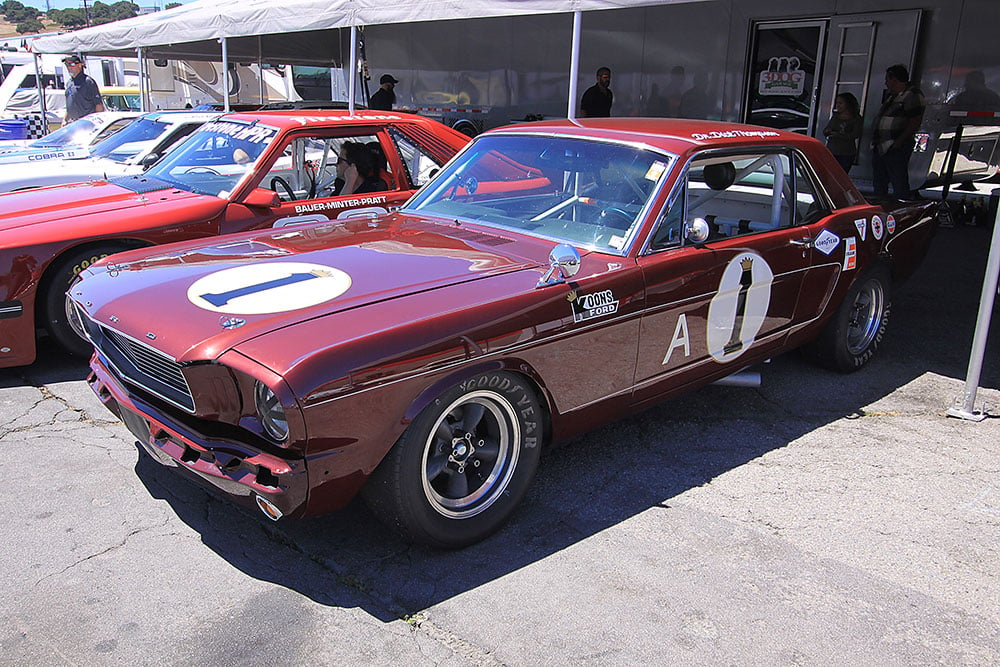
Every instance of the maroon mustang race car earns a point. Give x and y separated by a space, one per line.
239 172
552 277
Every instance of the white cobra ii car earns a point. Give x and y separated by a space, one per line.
127 152
72 140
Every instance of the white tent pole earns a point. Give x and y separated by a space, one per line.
41 92
574 67
225 74
143 83
352 80
965 406
260 72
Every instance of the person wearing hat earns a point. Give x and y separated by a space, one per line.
385 96
82 94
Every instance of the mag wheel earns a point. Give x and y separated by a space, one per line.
460 469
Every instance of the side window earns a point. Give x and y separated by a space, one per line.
808 206
741 194
419 164
671 225
314 167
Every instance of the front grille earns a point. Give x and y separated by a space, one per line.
141 365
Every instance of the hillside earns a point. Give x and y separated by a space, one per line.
8 30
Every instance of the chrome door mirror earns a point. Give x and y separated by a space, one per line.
564 262
696 231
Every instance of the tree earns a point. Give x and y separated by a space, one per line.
31 26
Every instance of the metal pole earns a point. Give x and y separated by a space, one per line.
260 72
41 92
964 407
574 67
225 74
352 85
143 83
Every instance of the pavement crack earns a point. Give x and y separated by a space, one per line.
104 551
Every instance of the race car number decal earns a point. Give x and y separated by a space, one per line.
738 309
268 288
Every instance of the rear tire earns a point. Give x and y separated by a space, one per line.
461 468
57 313
855 333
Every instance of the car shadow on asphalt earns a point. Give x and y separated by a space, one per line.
608 476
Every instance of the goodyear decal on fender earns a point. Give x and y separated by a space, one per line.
826 242
890 224
877 227
850 254
738 309
256 289
588 306
862 226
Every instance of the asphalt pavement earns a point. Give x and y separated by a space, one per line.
818 519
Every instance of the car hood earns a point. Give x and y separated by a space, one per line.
58 171
210 298
27 211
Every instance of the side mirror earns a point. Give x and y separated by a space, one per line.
149 160
697 231
564 262
262 198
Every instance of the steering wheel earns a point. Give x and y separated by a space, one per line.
278 180
608 214
202 170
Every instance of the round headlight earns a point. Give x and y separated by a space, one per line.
270 412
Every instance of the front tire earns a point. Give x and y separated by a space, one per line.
855 333
461 468
57 311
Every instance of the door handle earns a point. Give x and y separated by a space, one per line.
804 243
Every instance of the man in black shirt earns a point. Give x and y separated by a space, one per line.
597 99
82 94
385 96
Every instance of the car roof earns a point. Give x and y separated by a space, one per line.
288 119
183 116
670 134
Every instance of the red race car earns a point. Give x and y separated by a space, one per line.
242 171
553 277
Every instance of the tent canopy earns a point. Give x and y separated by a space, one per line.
287 32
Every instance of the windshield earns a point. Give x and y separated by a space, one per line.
578 191
77 133
135 138
214 159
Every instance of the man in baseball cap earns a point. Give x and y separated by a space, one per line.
82 94
385 96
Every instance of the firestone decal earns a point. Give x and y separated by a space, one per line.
862 226
826 242
260 288
589 306
327 205
877 227
738 309
850 253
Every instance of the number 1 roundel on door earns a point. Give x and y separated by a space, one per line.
738 309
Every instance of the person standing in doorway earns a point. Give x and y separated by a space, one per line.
82 94
385 96
896 124
597 99
844 130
